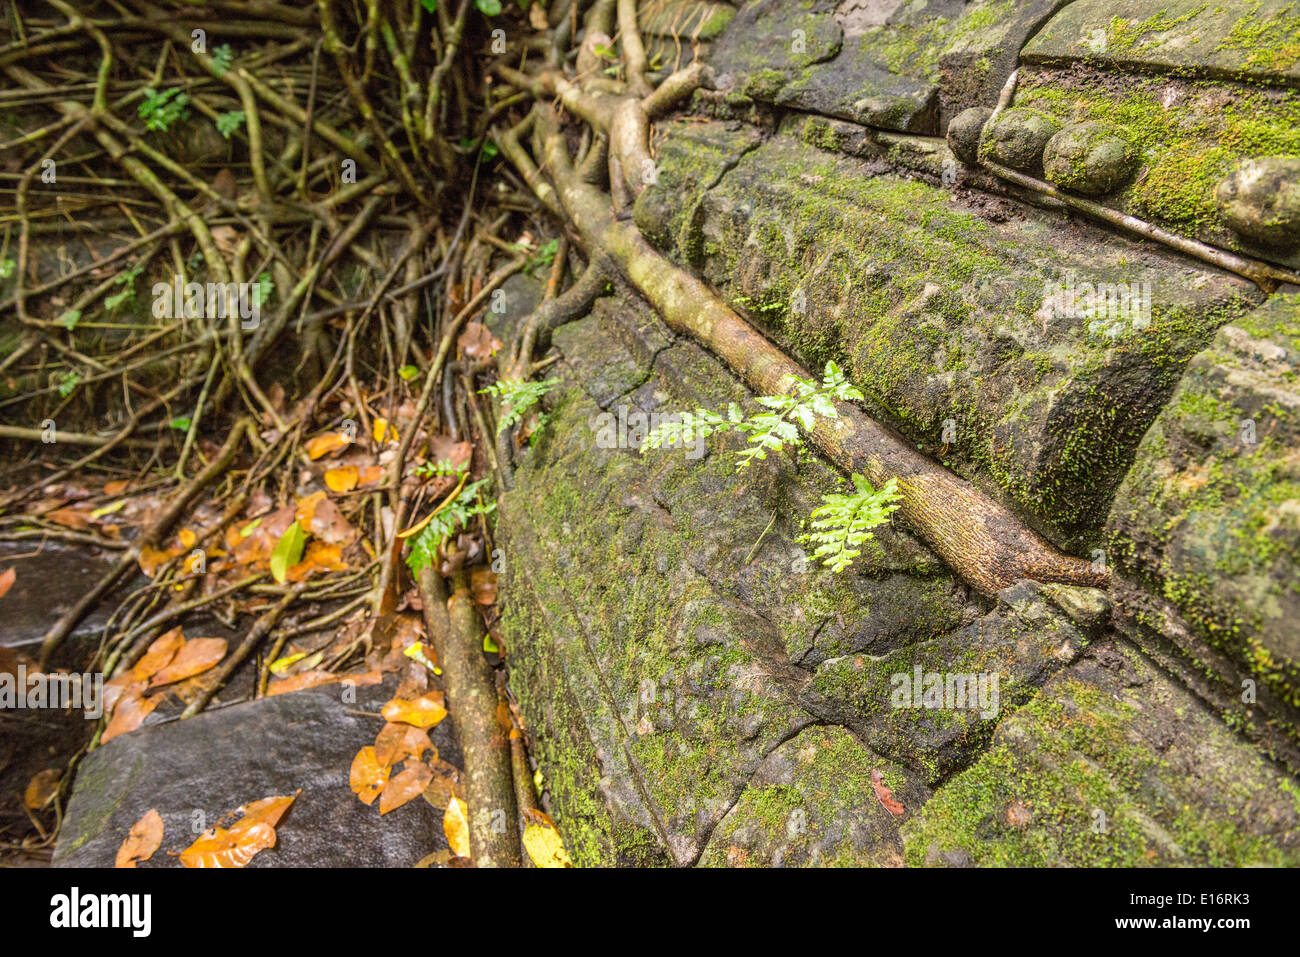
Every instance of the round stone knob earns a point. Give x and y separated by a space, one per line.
1017 138
964 133
1260 199
1089 158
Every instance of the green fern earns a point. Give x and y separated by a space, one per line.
518 395
228 123
845 522
162 110
765 432
425 543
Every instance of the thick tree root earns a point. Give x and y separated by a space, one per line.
457 634
978 538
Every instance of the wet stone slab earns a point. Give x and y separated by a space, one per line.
219 760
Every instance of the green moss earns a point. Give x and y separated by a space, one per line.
1189 144
1270 44
1078 758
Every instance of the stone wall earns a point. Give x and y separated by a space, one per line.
698 692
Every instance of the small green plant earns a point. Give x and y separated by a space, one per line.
765 432
67 381
228 123
545 255
443 467
160 111
127 294
454 515
519 395
7 267
221 57
844 522
489 8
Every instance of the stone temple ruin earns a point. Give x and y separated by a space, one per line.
1051 241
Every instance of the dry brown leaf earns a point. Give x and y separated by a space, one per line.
130 712
368 776
455 824
145 838
483 585
371 474
423 712
326 522
116 487
232 848
342 479
444 785
69 517
885 795
195 657
403 787
307 679
396 742
477 341
159 655
41 789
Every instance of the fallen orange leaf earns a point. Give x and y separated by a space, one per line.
368 776
298 682
41 789
422 712
342 479
326 443
371 474
145 838
195 657
885 795
233 848
398 741
406 786
130 712
266 811
159 655
7 578
455 824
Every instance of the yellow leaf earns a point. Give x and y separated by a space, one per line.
233 848
368 776
42 788
342 479
423 654
384 432
543 842
145 837
326 443
108 509
188 538
455 824
282 664
422 712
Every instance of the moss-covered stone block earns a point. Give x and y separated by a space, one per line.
1112 765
